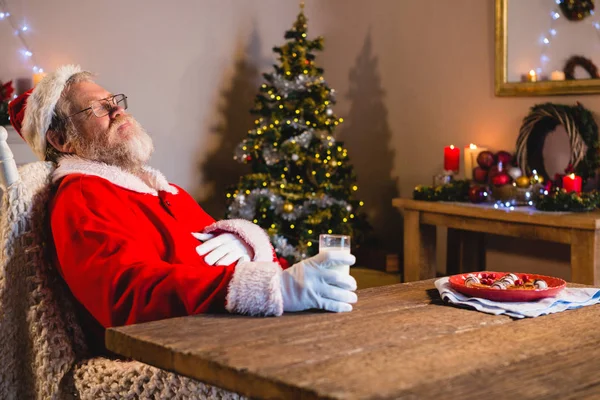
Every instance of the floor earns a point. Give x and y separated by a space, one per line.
366 278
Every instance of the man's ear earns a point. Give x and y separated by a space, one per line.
58 140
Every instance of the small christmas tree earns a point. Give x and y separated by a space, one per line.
302 182
6 94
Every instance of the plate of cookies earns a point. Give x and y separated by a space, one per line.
507 286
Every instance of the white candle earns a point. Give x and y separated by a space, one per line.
468 160
532 76
557 76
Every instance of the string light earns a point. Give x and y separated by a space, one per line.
546 39
5 15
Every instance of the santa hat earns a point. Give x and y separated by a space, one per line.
31 113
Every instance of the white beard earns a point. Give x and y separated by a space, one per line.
130 153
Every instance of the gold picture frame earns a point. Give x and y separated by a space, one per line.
540 88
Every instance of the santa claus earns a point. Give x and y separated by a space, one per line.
133 247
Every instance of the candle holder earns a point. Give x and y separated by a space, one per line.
443 179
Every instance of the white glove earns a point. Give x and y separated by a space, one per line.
309 284
223 249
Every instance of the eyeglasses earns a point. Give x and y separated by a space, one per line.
103 107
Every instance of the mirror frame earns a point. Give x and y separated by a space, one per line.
542 88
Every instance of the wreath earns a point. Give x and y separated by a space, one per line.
583 62
576 10
581 129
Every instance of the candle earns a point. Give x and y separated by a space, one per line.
37 77
532 76
557 76
468 160
572 183
451 158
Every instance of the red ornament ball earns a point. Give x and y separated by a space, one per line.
501 179
485 159
480 175
248 158
478 194
504 157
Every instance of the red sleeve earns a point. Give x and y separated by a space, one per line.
112 273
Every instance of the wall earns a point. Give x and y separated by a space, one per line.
411 78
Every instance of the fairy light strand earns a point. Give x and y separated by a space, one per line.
6 15
546 38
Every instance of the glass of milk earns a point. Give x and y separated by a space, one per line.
335 243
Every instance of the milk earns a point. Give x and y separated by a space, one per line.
340 268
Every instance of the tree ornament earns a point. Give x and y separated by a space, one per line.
523 182
515 172
503 157
478 194
536 178
501 179
288 207
480 175
485 159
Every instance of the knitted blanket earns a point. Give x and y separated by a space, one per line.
43 354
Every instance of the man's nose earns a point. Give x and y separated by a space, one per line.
116 111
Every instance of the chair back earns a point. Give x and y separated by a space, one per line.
38 337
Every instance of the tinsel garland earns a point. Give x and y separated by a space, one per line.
283 248
560 200
244 205
453 191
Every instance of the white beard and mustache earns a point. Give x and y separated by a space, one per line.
130 152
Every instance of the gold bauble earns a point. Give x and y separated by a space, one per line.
536 179
523 182
288 207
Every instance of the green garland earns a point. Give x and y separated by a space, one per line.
581 129
453 191
560 200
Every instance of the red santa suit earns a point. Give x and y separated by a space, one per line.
124 246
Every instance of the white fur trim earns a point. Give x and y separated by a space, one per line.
252 234
255 289
149 181
40 106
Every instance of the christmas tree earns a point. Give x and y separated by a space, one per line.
302 183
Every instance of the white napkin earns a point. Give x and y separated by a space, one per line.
567 299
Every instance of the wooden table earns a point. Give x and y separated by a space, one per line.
399 342
467 223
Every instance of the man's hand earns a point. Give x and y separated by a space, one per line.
309 284
224 249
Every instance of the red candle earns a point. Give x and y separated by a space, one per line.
572 183
451 158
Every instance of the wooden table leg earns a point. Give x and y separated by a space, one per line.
585 263
453 251
419 248
473 251
466 251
